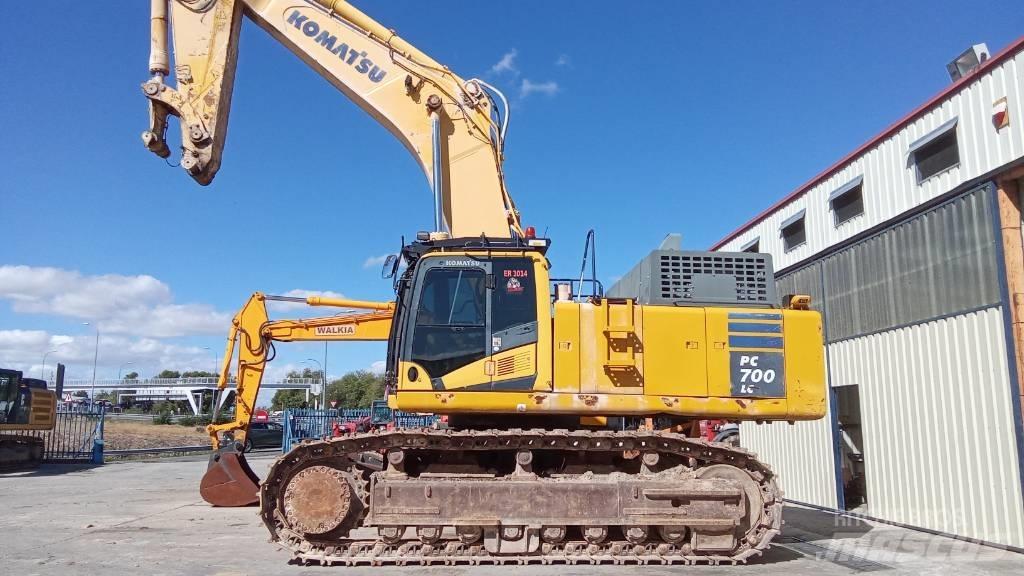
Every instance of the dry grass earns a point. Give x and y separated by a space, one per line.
125 434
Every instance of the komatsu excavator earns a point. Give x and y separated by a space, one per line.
568 414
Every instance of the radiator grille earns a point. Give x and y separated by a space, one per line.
678 274
694 278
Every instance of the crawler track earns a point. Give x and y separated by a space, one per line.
350 454
20 452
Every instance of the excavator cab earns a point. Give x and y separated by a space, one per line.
10 381
470 318
25 401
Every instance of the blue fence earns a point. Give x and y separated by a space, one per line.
301 424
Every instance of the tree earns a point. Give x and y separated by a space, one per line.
169 374
285 399
81 394
198 374
306 374
131 376
356 389
106 395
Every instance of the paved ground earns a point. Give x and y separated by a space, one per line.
146 517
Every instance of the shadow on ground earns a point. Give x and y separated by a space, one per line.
50 470
811 525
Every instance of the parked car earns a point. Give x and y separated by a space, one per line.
264 435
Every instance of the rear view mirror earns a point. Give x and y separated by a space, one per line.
390 267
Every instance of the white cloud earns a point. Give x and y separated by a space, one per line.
507 64
378 367
563 60
138 305
24 350
375 261
549 88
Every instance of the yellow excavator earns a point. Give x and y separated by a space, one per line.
570 411
25 406
229 481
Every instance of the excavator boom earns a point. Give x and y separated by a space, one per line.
452 126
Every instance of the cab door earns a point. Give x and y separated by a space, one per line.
450 335
513 324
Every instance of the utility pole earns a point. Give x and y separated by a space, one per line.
322 379
95 358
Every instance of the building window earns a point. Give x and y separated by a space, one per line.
752 246
847 202
794 233
935 152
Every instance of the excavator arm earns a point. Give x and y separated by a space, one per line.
453 127
229 481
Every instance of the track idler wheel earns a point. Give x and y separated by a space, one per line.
752 492
320 500
229 481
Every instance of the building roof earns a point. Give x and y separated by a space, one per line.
1003 55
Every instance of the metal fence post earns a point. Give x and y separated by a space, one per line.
97 441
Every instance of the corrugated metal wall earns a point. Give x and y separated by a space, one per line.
938 263
942 262
913 318
890 185
939 449
801 454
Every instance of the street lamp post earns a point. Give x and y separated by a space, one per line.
214 406
323 392
117 398
42 371
121 367
216 361
95 358
323 380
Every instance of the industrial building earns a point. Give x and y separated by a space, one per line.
910 247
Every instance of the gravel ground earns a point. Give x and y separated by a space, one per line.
146 517
122 435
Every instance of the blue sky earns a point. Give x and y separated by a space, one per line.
636 119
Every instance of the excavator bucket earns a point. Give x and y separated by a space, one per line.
229 481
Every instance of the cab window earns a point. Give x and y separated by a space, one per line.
451 320
8 395
452 298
